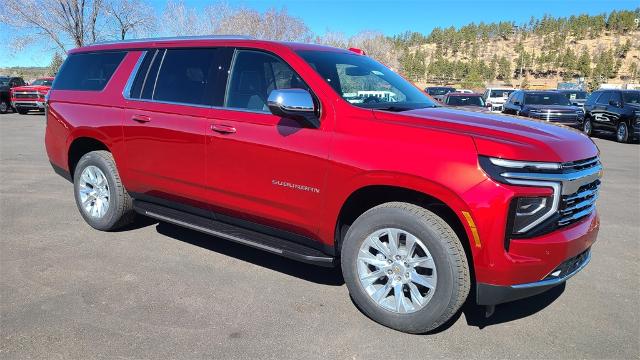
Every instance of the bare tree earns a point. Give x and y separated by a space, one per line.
378 46
61 22
135 17
179 20
332 38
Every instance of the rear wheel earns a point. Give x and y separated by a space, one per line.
622 133
405 267
100 196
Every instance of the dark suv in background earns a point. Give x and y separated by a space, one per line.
550 106
576 97
438 92
614 110
6 84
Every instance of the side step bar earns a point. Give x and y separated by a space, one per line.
234 233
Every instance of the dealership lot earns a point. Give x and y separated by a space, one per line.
159 291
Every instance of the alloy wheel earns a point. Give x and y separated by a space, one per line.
396 270
94 192
621 134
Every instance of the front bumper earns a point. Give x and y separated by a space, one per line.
31 105
487 294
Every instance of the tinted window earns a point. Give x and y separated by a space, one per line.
500 93
189 76
89 71
364 82
142 75
604 98
42 82
550 98
465 101
592 98
615 97
254 75
631 97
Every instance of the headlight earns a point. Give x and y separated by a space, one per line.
525 213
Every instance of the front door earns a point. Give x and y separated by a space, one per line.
261 167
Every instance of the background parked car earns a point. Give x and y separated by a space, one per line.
438 92
465 91
464 100
495 98
613 110
30 97
576 97
550 106
6 83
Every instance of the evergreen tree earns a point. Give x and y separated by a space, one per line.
56 62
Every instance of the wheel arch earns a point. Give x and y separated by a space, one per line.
368 196
79 147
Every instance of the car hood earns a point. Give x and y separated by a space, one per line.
31 88
560 108
497 100
504 136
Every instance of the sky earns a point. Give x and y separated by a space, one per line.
388 17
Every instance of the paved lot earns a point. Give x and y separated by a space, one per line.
159 291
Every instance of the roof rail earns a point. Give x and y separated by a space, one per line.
173 38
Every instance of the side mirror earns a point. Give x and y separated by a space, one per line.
295 104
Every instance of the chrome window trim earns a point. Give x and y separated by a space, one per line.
554 203
126 92
153 92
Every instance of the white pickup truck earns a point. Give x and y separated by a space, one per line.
495 98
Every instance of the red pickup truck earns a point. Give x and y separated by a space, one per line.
30 97
324 155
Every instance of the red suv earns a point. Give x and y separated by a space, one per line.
325 156
30 97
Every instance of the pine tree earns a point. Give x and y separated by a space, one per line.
583 66
56 62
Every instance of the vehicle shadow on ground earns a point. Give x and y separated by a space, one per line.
475 314
312 273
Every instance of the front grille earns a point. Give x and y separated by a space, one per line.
580 164
578 205
26 95
555 116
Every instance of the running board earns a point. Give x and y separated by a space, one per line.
234 233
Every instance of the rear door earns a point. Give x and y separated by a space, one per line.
261 167
614 109
166 124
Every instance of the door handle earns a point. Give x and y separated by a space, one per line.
141 118
223 129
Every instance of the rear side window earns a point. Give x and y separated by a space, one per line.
88 72
187 76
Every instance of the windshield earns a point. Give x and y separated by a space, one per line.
45 82
439 91
545 99
364 82
465 101
631 97
500 93
572 95
4 83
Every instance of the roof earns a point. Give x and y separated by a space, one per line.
198 41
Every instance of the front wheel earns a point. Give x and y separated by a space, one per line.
622 133
405 267
4 107
100 196
21 111
587 127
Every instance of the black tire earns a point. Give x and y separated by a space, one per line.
453 276
587 127
120 211
4 107
622 133
22 111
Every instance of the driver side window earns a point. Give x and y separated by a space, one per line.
254 74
